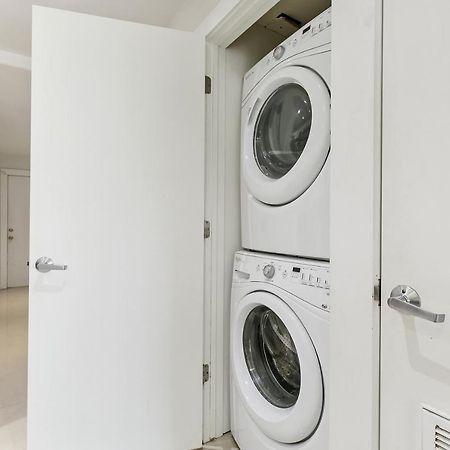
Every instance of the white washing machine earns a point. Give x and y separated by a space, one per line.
285 144
279 352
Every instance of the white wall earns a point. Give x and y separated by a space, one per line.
14 161
15 92
240 57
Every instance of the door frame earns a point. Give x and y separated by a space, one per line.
4 174
355 322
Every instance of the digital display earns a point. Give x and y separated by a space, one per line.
296 269
306 29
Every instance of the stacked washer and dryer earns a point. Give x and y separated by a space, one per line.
280 297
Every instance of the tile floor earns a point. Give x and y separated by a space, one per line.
226 442
13 368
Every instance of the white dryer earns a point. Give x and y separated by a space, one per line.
285 144
279 353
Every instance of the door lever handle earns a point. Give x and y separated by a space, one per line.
406 300
45 265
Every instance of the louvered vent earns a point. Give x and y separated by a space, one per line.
435 431
441 438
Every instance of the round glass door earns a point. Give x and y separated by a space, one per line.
275 367
282 130
271 357
286 137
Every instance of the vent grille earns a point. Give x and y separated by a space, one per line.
435 430
441 438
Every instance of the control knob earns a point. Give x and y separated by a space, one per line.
269 271
279 52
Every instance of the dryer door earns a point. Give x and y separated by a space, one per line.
286 135
276 368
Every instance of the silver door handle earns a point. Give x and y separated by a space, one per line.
44 265
406 300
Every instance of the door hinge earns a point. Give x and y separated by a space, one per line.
377 291
205 373
207 229
208 85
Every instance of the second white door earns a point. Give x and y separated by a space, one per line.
18 230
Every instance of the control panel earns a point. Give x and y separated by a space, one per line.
282 271
297 43
304 278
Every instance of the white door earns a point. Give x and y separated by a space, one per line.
115 340
18 232
416 226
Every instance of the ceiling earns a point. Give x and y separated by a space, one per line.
15 16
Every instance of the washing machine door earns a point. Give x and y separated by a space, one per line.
286 135
276 368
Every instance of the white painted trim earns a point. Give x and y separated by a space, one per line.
355 223
15 60
219 256
231 18
225 24
16 172
214 18
211 212
4 174
215 211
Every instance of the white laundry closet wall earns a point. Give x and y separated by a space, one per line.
15 85
240 57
